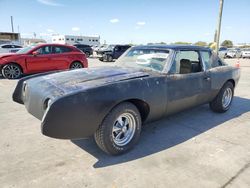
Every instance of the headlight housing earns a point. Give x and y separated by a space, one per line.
47 103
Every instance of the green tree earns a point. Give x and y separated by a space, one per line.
200 43
227 43
182 42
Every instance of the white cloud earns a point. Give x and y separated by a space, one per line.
141 23
115 20
75 29
207 34
50 30
49 2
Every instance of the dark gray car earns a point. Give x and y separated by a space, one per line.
111 103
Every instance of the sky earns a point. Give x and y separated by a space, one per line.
129 21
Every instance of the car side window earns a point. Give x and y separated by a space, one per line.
118 48
57 50
207 58
185 62
6 46
65 49
60 49
44 50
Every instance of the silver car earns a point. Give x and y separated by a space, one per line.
9 48
233 54
245 53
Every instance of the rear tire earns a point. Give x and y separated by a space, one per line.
120 129
76 65
223 100
12 71
109 58
105 57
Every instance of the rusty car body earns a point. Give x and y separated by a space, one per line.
74 104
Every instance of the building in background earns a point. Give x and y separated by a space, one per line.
31 41
9 37
72 39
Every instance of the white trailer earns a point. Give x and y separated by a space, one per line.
72 39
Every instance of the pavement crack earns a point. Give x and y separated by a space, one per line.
236 175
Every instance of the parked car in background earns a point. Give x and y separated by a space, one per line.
9 48
112 103
41 58
245 53
233 53
103 48
223 52
113 52
85 48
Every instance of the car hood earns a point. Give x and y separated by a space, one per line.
82 79
4 55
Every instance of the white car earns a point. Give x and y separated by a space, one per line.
223 52
233 53
9 48
245 53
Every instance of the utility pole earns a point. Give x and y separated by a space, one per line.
11 21
219 26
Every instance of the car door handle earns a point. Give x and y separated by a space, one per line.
207 78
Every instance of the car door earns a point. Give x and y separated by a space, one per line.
217 71
60 57
188 83
40 61
117 52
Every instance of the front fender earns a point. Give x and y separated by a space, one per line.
79 115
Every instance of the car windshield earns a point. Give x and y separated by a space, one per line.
151 59
110 47
25 50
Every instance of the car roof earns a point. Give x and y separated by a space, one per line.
174 47
52 44
81 45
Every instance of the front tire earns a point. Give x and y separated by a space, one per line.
120 129
12 71
223 100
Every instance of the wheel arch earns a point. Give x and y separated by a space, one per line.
232 81
77 61
15 63
142 106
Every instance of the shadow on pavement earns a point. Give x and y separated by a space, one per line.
168 132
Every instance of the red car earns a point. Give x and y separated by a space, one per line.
41 58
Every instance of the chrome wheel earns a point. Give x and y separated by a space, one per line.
227 97
76 65
124 129
11 71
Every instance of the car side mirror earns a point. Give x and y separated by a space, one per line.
35 53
